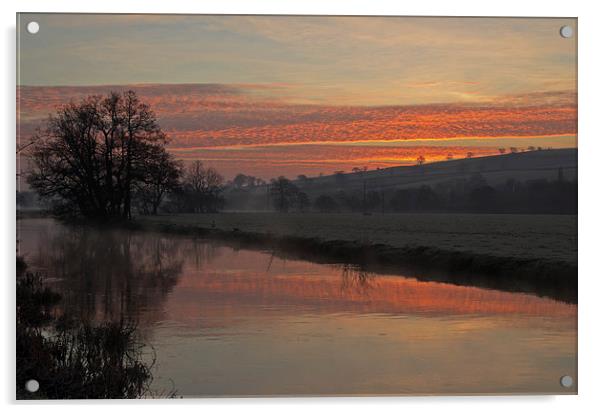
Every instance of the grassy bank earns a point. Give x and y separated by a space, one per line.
535 254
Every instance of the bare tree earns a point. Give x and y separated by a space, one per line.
302 201
90 155
202 188
420 160
162 176
140 127
283 193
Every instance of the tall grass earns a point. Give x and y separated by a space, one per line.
72 359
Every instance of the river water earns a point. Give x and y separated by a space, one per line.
226 322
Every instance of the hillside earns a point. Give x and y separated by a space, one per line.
522 166
495 170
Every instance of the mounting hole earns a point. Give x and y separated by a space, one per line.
566 381
33 27
32 386
566 31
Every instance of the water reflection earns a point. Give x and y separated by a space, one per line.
104 274
353 277
239 322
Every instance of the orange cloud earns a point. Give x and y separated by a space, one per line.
392 123
210 118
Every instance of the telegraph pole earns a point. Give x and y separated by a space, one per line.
364 203
267 197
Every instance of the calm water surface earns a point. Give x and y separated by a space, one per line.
225 322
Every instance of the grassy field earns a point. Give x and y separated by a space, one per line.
551 238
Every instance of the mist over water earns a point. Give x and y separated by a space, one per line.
223 321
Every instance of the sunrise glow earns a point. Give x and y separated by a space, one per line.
270 95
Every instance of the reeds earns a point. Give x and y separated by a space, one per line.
72 359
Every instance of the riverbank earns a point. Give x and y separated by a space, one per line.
533 254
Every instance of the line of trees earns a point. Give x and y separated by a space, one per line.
461 195
241 181
105 156
286 196
200 191
472 194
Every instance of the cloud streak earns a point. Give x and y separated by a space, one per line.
261 127
218 115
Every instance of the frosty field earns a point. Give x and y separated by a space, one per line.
541 237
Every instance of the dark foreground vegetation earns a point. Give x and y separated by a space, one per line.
73 359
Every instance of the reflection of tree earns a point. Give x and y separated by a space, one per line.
112 274
198 252
355 278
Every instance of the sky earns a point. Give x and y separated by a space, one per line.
285 95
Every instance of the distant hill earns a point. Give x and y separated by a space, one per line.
495 170
523 166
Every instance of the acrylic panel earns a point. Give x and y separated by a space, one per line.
229 205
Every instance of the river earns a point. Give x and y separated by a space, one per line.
221 321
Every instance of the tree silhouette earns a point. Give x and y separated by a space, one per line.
92 155
283 192
201 189
162 176
302 201
240 181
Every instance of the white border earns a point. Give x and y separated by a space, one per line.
590 196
